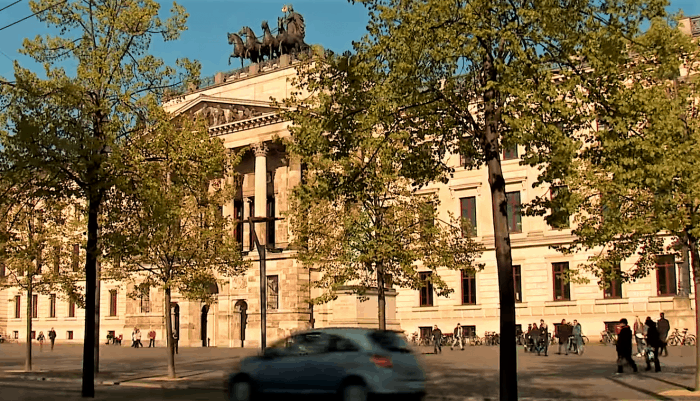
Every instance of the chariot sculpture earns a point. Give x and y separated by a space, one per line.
291 32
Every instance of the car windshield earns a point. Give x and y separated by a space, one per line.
389 341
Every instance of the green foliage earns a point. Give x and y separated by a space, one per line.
36 247
166 227
635 182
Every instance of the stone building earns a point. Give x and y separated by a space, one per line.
239 110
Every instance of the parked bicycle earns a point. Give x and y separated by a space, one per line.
491 338
678 338
474 340
608 337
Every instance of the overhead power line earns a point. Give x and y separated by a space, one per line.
36 13
10 5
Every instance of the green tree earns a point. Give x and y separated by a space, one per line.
634 184
36 241
383 233
63 127
167 229
474 78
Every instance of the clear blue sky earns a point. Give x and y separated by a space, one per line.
334 24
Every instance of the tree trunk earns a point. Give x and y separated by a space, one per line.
97 318
28 358
695 260
507 358
89 350
684 273
381 301
169 335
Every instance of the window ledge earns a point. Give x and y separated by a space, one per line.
71 318
663 298
560 303
111 317
468 307
426 308
49 319
611 301
519 305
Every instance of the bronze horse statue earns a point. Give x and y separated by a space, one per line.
288 42
253 47
270 44
238 48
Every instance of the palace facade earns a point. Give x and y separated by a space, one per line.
238 108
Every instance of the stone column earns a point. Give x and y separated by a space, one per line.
293 179
260 150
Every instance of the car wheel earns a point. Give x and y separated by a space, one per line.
354 392
241 390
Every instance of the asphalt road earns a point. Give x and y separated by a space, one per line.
452 375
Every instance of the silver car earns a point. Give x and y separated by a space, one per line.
352 364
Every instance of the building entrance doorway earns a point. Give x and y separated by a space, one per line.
205 313
241 309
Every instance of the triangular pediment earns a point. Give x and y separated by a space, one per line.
219 111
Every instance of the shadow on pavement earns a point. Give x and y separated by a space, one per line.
689 388
639 389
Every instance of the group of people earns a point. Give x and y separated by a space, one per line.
651 340
41 338
537 338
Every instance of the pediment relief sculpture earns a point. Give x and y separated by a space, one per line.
219 114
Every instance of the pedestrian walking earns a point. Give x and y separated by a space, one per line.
152 338
563 332
624 347
138 339
543 339
654 342
41 339
664 328
578 337
52 337
639 336
437 339
457 339
133 338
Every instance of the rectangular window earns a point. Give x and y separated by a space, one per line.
562 291
468 288
52 305
71 308
145 299
270 226
666 275
35 306
69 334
15 335
427 218
57 259
510 153
468 212
426 291
112 302
39 260
468 331
76 257
33 335
273 292
517 283
613 288
18 306
238 222
559 219
251 211
514 212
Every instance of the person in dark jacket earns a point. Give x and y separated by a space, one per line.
563 333
624 347
664 327
653 344
437 339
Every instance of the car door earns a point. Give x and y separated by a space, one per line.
339 360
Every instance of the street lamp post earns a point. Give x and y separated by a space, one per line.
262 252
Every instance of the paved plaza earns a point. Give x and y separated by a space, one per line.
472 374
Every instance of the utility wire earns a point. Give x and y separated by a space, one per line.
36 13
10 5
